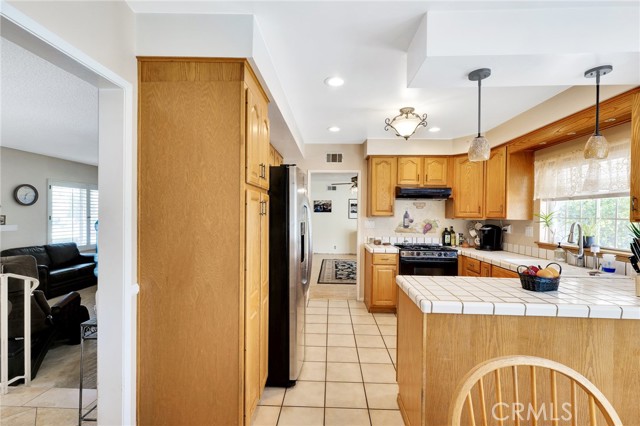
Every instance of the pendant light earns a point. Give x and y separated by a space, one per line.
406 123
479 149
597 146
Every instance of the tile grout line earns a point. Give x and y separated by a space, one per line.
364 388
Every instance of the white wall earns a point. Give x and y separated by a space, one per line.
18 167
333 232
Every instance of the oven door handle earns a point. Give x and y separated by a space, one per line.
429 261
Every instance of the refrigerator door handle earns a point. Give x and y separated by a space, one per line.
309 240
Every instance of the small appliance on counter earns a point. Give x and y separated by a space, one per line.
490 238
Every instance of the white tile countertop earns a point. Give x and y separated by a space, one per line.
578 297
381 248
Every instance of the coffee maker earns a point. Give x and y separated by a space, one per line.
490 238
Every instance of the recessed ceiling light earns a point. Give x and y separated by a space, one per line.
334 129
434 129
609 120
334 81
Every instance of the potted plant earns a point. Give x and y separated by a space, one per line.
589 231
546 219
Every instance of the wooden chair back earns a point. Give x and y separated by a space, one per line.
527 390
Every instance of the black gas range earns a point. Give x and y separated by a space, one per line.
428 259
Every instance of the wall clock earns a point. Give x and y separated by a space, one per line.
25 194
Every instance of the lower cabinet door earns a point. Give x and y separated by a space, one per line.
252 302
384 293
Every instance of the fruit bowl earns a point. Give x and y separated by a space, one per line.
538 283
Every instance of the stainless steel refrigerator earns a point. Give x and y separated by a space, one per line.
290 253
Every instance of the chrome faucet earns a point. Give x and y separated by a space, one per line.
580 256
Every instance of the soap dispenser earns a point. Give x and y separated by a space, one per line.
559 255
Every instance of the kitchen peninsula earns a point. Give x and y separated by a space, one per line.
448 325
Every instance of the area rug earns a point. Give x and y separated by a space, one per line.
337 271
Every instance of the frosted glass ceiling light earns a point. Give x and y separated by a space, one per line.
597 146
406 123
479 149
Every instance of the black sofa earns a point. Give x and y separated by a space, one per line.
61 267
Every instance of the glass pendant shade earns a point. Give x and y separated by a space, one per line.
406 126
596 148
479 150
406 123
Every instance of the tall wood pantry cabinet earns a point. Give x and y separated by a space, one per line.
635 158
202 241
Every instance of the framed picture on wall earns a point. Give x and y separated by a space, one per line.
322 206
353 208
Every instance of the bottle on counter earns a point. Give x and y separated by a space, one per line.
559 254
446 238
454 239
406 219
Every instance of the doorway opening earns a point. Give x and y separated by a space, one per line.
335 199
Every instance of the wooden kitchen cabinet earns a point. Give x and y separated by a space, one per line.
409 171
382 185
204 122
380 289
498 272
496 184
468 188
435 171
635 159
470 267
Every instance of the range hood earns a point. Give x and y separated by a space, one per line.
428 193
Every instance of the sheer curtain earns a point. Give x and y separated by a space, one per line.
569 175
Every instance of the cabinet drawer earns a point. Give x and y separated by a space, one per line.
385 259
472 265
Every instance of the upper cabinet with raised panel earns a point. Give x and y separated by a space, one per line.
468 188
409 171
496 184
382 184
435 171
257 143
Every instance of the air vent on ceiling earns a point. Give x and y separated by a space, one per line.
332 188
334 158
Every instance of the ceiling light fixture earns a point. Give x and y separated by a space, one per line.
406 123
434 129
597 146
334 129
333 81
479 149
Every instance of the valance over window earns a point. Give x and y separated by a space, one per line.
569 175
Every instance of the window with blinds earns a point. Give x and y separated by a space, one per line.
73 213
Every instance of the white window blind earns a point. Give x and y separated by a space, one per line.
73 211
569 175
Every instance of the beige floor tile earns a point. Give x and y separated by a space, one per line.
356 304
345 395
338 304
340 329
374 356
57 417
344 340
300 416
382 396
316 328
365 341
378 373
393 353
265 416
338 311
386 320
305 394
316 319
338 354
339 319
363 319
368 329
314 310
343 372
63 398
390 341
17 416
20 395
272 396
388 330
313 371
346 417
315 339
315 353
386 418
359 311
318 303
